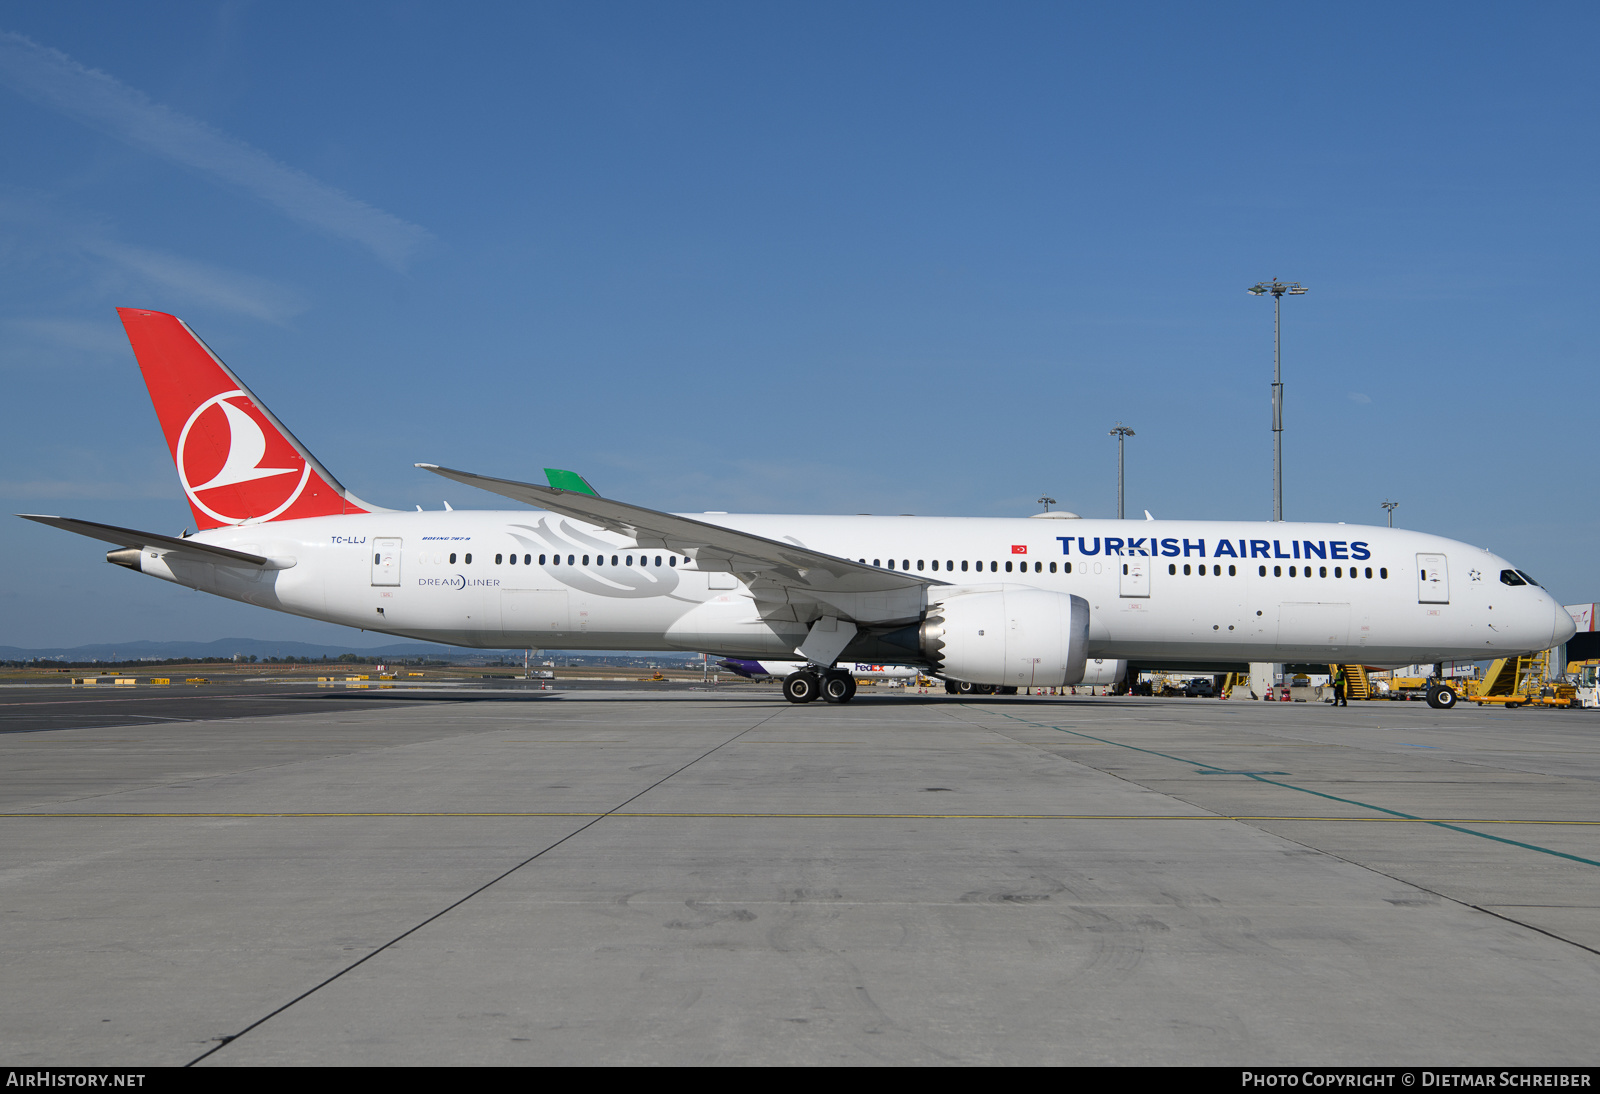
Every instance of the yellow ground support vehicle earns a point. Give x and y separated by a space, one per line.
1522 681
1587 675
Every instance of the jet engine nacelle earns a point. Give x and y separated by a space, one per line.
1107 671
1008 635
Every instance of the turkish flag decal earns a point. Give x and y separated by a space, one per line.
1019 548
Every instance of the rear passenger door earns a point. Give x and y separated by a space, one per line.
386 562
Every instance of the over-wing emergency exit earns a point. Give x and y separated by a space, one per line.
987 601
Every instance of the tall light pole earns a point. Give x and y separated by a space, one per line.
1121 433
1047 503
1277 289
1391 506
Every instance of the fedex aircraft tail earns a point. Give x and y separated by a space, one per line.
236 462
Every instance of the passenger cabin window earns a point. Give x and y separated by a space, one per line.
1008 567
452 558
994 567
963 565
497 560
1052 567
1232 572
1172 567
1383 573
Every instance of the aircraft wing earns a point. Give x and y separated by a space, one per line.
787 580
128 537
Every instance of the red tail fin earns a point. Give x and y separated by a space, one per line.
236 462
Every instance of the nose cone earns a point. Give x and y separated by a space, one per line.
1565 627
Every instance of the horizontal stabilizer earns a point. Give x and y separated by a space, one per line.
128 537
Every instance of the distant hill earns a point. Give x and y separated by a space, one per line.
261 649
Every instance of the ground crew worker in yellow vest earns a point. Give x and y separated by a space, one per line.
1339 685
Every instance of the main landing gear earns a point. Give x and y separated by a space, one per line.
1442 697
830 685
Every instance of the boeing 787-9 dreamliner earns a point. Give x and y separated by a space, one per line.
987 601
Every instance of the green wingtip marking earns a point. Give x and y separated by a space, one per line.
569 480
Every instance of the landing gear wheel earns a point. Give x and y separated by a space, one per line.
1006 689
838 689
952 687
1442 697
801 687
969 689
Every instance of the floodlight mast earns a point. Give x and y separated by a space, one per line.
1121 433
1277 289
1391 506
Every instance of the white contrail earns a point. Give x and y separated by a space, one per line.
96 99
202 281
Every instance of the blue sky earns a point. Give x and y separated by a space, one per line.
904 258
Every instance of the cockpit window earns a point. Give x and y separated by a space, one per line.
1526 576
1511 577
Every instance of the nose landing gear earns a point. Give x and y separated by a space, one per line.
1441 697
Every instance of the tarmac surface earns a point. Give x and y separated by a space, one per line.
682 876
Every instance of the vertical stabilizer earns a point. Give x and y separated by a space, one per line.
236 462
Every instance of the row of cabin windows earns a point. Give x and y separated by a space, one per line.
1322 571
1277 571
949 565
574 560
905 564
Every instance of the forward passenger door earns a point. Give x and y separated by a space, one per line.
1433 579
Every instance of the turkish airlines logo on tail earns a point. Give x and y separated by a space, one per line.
233 431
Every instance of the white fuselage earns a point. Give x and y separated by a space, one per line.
1159 591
